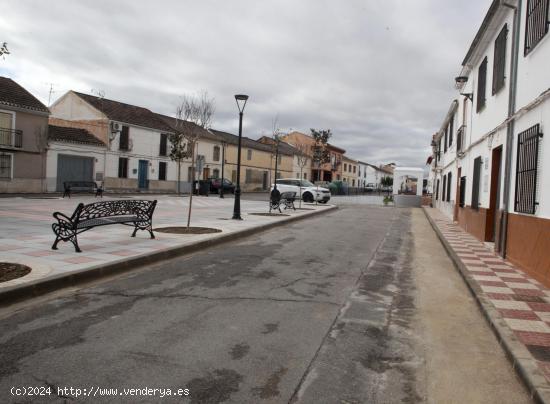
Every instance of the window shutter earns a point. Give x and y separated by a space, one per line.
499 62
475 183
481 85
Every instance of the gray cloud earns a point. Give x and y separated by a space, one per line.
378 73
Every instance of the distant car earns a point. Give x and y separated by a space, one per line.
215 185
370 187
310 191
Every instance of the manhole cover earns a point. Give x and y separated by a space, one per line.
9 271
268 214
187 230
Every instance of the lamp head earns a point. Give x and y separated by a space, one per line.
241 101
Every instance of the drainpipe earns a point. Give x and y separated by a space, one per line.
510 127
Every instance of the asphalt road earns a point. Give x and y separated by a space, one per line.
319 311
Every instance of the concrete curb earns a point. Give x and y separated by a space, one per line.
522 361
39 287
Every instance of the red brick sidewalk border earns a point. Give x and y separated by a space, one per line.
516 306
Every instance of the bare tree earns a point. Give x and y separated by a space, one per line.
302 158
193 116
320 153
4 50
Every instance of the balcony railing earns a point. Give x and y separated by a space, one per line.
11 137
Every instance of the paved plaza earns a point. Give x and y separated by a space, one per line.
27 236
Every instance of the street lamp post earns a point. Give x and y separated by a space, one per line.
241 102
223 165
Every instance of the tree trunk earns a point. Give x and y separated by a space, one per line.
300 203
192 187
179 176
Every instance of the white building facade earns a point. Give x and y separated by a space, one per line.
491 164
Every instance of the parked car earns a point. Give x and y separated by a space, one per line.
215 185
370 187
310 192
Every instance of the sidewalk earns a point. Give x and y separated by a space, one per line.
26 235
516 305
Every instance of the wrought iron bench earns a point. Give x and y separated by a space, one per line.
132 212
82 186
277 199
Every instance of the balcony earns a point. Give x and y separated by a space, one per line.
11 138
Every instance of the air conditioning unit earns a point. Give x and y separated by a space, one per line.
115 127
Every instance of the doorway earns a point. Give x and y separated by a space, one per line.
494 197
73 168
143 174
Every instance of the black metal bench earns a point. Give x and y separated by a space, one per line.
132 212
277 199
82 186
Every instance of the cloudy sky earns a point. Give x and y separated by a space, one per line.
378 73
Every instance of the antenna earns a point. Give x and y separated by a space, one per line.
52 91
99 94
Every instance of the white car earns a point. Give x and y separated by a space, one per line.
310 192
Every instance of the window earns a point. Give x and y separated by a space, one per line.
190 174
481 85
462 191
248 176
124 140
536 26
444 188
216 173
6 166
526 170
451 130
449 187
234 176
162 171
216 156
345 167
163 144
279 159
437 190
446 140
122 167
354 168
305 176
499 62
249 154
475 183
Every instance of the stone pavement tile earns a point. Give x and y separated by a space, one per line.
41 253
528 325
490 278
496 289
533 338
497 283
538 307
510 304
79 260
499 296
519 314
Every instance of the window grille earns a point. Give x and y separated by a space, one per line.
526 170
462 191
124 138
536 26
449 187
162 171
5 166
122 167
163 144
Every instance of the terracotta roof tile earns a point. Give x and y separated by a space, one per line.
13 95
126 113
72 135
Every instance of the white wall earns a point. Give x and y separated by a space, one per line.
72 107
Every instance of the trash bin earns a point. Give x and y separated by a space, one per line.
204 187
